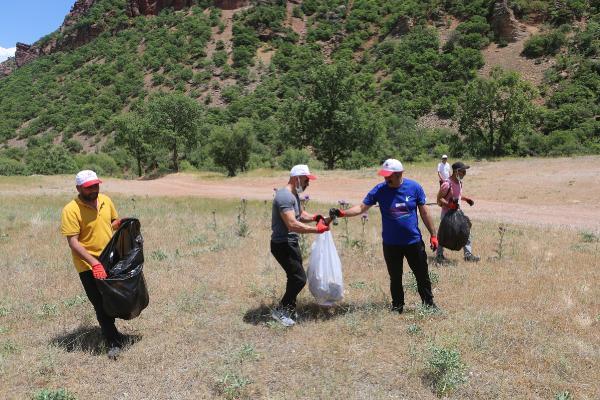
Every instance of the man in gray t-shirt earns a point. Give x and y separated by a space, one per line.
284 201
288 221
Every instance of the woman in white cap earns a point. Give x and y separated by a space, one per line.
399 199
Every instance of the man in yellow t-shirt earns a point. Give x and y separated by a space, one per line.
88 222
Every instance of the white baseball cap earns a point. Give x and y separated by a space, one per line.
444 156
86 178
390 166
302 170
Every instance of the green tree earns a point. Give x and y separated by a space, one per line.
494 112
133 132
174 122
332 117
230 147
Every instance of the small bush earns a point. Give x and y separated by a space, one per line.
445 369
219 58
566 395
48 394
545 44
291 157
232 385
101 163
9 166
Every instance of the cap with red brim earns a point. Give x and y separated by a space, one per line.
302 170
91 183
86 178
389 167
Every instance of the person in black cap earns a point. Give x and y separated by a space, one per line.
449 197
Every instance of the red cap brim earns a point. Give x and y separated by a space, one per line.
91 183
312 177
383 172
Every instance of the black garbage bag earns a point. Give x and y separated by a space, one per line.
124 292
454 230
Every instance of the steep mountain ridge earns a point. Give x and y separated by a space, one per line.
255 60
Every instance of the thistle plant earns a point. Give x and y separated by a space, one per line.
243 229
344 205
501 231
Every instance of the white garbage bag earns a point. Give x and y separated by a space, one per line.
325 271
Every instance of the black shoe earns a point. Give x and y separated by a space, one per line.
471 258
398 309
441 260
114 352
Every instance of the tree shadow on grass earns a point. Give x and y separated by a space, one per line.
89 340
312 311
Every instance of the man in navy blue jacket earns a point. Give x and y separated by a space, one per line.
398 200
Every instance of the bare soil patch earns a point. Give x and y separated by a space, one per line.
561 191
509 58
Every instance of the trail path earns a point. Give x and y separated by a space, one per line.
546 192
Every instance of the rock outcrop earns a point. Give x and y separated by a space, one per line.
504 24
136 8
7 67
79 9
73 36
26 53
231 4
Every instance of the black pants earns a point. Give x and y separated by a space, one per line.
288 255
107 324
417 260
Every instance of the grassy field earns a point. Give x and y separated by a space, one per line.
522 324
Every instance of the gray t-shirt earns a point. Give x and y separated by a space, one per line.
284 201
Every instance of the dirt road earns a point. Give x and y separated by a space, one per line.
564 191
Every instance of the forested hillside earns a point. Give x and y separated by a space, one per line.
341 83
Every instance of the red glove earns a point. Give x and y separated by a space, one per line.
340 213
317 217
453 205
98 271
322 226
433 243
469 201
116 224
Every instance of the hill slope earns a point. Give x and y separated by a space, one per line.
264 66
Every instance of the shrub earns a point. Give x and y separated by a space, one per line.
445 369
101 163
291 157
219 58
545 44
48 394
563 143
8 166
50 160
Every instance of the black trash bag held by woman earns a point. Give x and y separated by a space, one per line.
454 230
124 292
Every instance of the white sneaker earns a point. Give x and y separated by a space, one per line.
283 316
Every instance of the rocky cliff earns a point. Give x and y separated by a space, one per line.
153 7
231 4
504 24
7 67
72 36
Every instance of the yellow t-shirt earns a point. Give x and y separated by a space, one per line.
92 225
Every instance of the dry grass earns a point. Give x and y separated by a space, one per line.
526 326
